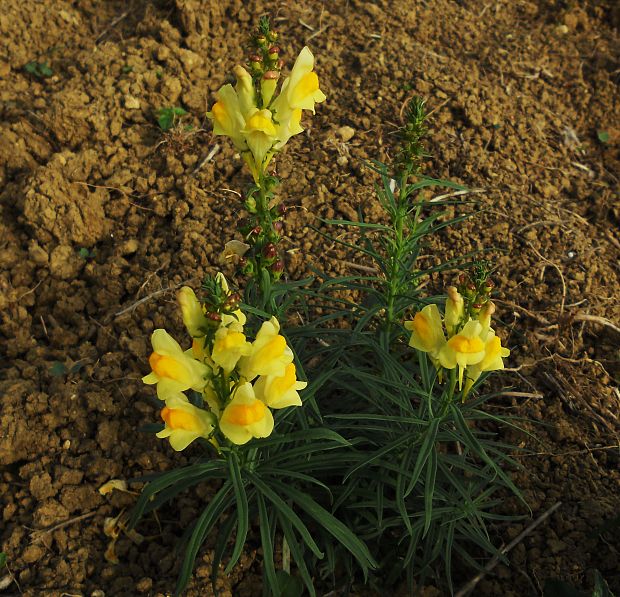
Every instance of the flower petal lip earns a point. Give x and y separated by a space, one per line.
173 369
245 416
280 392
184 422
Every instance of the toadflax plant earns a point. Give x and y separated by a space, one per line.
375 468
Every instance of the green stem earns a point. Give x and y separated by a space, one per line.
449 396
396 257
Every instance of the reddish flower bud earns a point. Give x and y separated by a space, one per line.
278 267
270 251
213 316
278 226
274 50
471 287
462 279
271 75
256 230
281 209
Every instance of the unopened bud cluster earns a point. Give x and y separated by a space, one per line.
262 232
476 292
412 133
264 63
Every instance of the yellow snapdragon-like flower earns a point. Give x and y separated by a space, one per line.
245 416
301 90
261 135
227 117
258 131
280 392
184 422
427 331
172 369
229 346
193 314
269 355
464 349
494 353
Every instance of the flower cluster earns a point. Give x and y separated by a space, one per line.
258 122
239 380
469 342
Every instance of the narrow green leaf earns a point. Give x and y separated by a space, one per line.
204 524
429 489
221 544
428 446
284 510
332 525
297 554
242 508
267 544
477 448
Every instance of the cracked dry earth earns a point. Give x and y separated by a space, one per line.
101 218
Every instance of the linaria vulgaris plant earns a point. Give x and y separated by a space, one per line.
355 448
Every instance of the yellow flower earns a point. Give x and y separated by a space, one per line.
301 89
494 352
173 370
270 354
455 307
236 316
466 348
233 249
184 422
280 392
427 331
245 417
229 346
227 117
193 315
289 124
261 135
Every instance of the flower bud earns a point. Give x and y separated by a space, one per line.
455 307
277 268
250 205
270 251
232 302
281 209
484 317
268 85
256 230
214 317
278 226
273 52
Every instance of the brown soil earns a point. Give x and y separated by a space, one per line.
518 90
